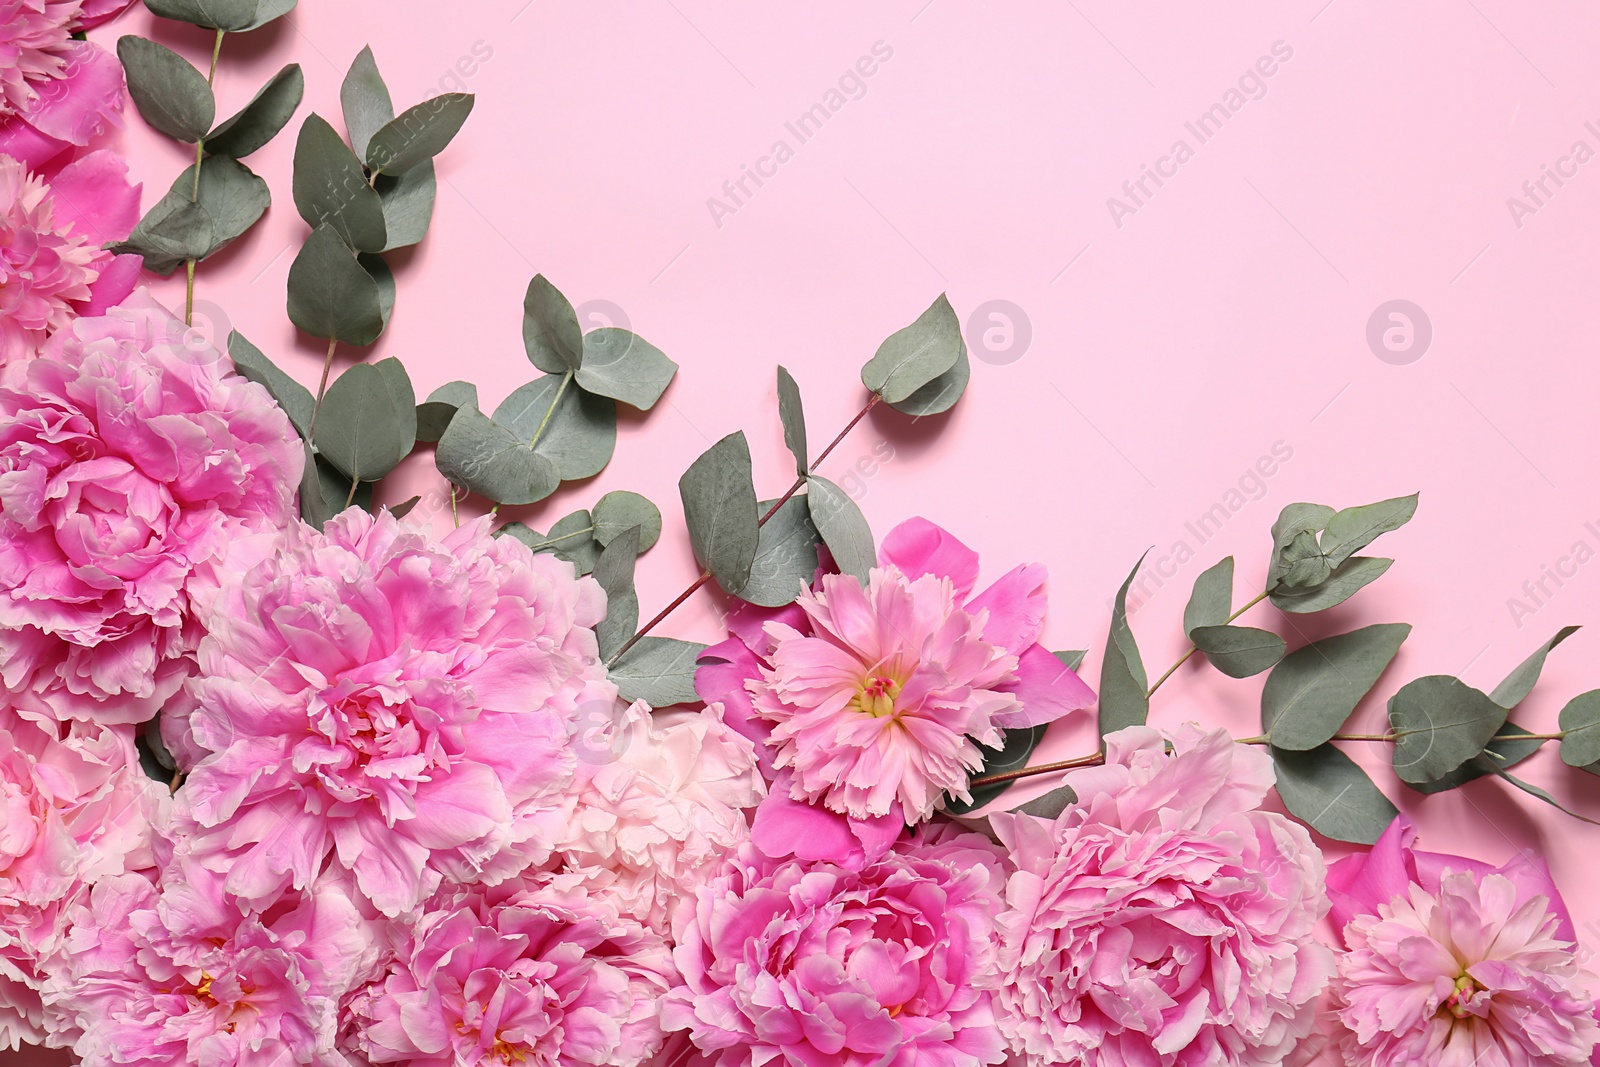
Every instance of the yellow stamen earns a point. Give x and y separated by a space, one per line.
876 696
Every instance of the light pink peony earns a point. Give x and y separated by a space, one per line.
1161 920
80 100
129 460
818 965
542 975
52 265
152 978
660 809
398 701
874 700
74 808
1450 963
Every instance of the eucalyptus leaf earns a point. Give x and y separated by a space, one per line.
368 420
614 573
575 430
404 508
173 231
435 413
295 399
418 133
336 489
914 356
719 507
259 121
364 100
376 266
407 204
331 295
1544 795
624 366
1012 755
234 197
1325 789
1124 700
793 415
843 527
550 330
786 555
659 671
618 512
1051 804
1316 688
1349 531
170 94
1212 600
1510 745
1239 651
1440 723
941 394
314 507
229 15
1343 583
1294 521
1580 721
330 188
477 452
269 10
1072 659
571 539
1520 682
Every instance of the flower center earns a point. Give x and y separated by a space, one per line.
876 695
1458 1005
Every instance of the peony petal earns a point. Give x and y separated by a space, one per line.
919 547
1047 689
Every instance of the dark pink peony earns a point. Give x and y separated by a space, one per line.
819 965
78 96
397 702
129 460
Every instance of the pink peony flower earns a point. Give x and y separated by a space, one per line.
893 965
128 462
78 102
541 975
660 810
874 699
1161 920
1450 963
397 701
99 12
183 976
34 38
74 808
52 266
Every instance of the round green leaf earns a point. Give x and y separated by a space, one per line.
573 429
786 555
1239 651
331 189
941 394
911 358
485 457
368 420
1580 721
1439 723
624 366
331 295
617 512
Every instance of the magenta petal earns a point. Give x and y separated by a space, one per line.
786 827
1358 884
93 196
1047 689
720 678
1016 605
98 12
919 547
27 145
748 622
82 104
118 277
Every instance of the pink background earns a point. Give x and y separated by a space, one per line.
1225 315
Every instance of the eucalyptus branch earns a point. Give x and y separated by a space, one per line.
322 390
194 193
1170 671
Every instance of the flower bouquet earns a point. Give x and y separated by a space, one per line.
288 776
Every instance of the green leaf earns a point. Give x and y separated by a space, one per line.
624 366
418 133
1212 600
1239 651
786 555
295 399
1510 745
571 539
1341 585
1544 795
1305 567
402 509
1012 755
1050 804
234 197
1440 723
267 11
229 15
1311 694
614 573
1580 721
1123 682
1519 683
843 528
914 356
793 415
331 295
477 452
368 422
1349 531
331 189
314 506
1325 789
1293 521
336 489
719 506
378 269
364 100
435 413
1072 659
576 431
175 230
941 394
550 330
407 204
259 121
659 671
617 512
170 94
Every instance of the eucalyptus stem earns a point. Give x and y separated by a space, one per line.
705 576
566 380
1192 649
322 390
355 483
194 192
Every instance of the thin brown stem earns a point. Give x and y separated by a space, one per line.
322 390
1044 768
705 576
800 482
1170 671
355 483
